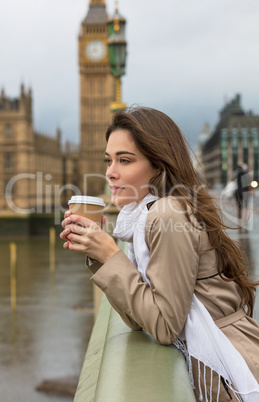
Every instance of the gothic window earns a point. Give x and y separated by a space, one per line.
9 191
8 131
75 167
255 137
9 161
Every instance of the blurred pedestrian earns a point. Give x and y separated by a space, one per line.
243 188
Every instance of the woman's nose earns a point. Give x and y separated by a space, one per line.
112 172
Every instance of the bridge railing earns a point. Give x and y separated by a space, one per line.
130 366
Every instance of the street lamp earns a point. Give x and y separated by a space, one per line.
117 54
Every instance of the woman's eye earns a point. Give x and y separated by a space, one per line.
122 160
107 161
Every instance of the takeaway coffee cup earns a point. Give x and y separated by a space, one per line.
89 207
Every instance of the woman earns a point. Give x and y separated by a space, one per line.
190 274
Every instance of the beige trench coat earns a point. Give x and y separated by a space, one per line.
181 263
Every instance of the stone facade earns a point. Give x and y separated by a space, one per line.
16 148
234 141
33 167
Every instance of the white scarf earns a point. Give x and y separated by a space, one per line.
205 341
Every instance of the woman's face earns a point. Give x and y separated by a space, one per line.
128 170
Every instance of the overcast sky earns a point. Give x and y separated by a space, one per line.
185 57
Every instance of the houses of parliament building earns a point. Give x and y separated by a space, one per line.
37 171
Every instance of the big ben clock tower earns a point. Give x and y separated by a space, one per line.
96 96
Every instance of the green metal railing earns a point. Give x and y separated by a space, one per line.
128 366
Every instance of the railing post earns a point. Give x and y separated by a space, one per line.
52 242
13 263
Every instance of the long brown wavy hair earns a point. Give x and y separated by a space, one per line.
162 143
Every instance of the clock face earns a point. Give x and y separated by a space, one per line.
95 50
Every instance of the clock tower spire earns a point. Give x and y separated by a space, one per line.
97 3
96 95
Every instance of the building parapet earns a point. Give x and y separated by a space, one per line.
70 148
23 104
46 144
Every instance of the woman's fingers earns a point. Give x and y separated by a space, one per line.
77 233
63 235
81 234
83 227
77 226
66 222
67 214
79 220
73 246
77 239
86 236
73 219
76 247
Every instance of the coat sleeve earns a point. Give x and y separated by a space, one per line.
172 270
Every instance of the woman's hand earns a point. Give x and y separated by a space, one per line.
84 235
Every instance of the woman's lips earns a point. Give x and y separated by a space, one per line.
115 190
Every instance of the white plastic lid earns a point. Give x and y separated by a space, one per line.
84 199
